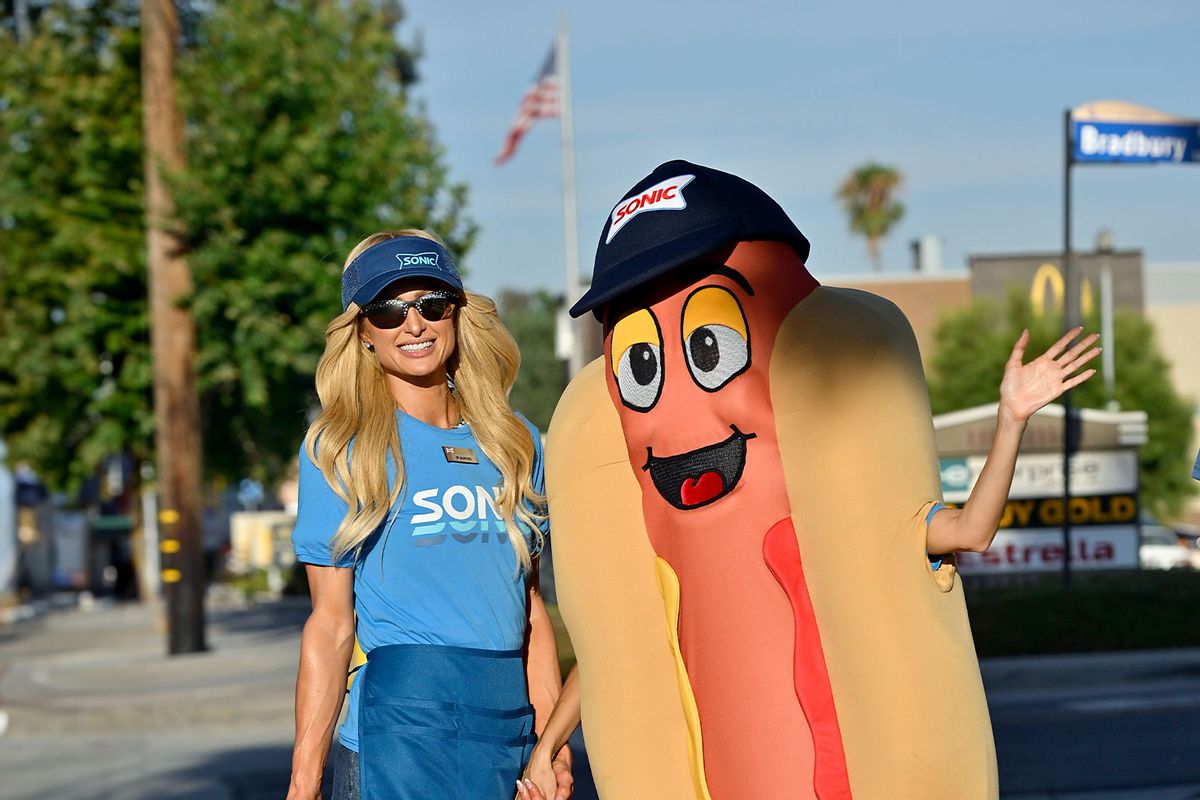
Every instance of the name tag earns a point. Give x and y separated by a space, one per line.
460 455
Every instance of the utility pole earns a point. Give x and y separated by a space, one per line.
172 340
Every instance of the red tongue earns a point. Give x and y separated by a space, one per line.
697 490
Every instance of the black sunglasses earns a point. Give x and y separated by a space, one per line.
391 313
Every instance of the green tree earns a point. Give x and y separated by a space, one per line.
531 317
868 198
973 343
301 139
302 142
74 356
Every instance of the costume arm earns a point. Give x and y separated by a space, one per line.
553 738
325 648
1024 389
974 526
545 683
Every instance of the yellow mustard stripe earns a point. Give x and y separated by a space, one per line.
668 585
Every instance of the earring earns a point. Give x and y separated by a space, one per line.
370 346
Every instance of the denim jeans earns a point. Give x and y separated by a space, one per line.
345 773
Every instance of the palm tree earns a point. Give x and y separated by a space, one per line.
867 196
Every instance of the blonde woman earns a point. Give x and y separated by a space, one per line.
420 518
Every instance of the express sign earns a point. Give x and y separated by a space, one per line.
1038 475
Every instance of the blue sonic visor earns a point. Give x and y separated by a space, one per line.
389 261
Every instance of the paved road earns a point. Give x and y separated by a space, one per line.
1123 725
91 708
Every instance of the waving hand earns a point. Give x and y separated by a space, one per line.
1027 387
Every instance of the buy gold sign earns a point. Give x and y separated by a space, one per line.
1109 509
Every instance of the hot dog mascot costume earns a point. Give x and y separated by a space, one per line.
740 490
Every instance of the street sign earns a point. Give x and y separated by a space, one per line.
1117 132
1109 132
1093 472
1136 143
1102 512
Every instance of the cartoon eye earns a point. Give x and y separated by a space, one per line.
639 375
715 353
716 339
636 359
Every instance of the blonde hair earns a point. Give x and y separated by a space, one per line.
357 424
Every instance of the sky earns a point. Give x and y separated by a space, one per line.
965 99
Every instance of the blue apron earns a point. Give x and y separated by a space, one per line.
443 723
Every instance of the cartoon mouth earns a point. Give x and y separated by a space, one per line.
697 478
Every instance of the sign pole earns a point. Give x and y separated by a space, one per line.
1070 317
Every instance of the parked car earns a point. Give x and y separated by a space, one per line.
1162 548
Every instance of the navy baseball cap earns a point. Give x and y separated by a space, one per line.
393 259
677 213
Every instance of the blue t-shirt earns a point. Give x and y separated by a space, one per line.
935 561
439 569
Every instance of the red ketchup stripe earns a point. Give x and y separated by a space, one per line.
782 554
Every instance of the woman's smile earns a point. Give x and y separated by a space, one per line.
417 349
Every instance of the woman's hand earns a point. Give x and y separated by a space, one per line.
540 773
1027 387
1024 389
547 779
528 790
564 780
296 793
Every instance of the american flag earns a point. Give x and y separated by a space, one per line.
541 101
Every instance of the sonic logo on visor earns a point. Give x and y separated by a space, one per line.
418 260
664 196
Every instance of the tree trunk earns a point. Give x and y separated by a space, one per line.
172 339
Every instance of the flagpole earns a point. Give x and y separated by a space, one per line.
570 239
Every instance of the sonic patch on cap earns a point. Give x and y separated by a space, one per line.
418 260
664 196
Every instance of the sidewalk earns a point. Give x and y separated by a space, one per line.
95 708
